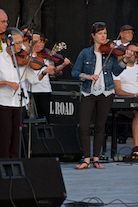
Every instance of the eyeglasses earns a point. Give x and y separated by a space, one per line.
128 32
18 43
99 23
5 21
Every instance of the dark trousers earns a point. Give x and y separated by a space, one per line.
42 101
102 106
9 131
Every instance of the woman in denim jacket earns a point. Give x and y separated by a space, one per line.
97 91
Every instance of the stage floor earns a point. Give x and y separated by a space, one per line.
114 186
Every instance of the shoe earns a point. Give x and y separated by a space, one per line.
85 167
99 165
135 151
121 141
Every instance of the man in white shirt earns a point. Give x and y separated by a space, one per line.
126 34
3 26
10 103
127 85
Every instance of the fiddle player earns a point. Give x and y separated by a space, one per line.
10 102
3 26
42 91
97 91
126 34
127 85
25 29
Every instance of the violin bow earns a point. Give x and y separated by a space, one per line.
17 23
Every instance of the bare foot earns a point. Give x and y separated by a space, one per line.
96 164
83 165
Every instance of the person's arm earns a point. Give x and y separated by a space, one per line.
120 92
29 48
13 85
49 70
61 66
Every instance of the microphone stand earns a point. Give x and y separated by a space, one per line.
30 27
22 94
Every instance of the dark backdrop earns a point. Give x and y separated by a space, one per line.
70 20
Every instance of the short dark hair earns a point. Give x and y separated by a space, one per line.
24 27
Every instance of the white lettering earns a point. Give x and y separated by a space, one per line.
61 108
71 109
57 110
51 108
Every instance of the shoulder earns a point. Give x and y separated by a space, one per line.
88 50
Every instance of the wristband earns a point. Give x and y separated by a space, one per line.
124 61
43 74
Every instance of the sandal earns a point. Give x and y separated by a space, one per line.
85 167
99 165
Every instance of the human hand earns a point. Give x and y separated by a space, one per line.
92 77
13 85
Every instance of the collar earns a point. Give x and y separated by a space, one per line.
92 49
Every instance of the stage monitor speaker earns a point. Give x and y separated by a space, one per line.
31 182
60 140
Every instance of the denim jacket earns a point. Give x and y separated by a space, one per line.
85 64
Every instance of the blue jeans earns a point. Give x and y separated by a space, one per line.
101 105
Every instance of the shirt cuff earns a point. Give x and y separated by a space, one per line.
80 76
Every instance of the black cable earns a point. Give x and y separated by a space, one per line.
123 148
78 137
60 146
78 203
32 190
58 143
24 148
43 140
10 190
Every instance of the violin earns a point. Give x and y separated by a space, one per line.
48 54
118 51
35 63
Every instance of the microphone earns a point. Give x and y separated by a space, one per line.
11 39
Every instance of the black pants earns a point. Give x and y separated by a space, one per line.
102 106
9 131
42 101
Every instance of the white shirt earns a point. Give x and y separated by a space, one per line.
9 73
118 42
44 85
99 87
129 79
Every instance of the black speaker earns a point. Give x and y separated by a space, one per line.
31 182
60 140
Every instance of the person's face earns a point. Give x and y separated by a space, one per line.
26 30
39 46
3 22
126 35
100 37
18 41
134 48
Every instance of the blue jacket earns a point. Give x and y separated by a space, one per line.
85 64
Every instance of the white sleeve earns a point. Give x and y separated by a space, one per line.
116 77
